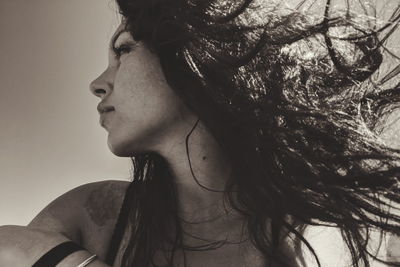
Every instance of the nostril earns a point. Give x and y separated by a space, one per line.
100 92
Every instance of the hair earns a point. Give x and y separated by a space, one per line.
296 99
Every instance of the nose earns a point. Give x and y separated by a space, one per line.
102 85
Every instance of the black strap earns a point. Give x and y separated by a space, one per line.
57 254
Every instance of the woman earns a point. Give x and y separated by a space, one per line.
247 123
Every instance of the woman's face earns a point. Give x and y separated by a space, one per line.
137 108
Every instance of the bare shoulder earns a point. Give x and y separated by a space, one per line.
101 204
78 211
102 201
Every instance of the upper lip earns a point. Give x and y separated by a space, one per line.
103 108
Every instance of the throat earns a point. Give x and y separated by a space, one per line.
215 228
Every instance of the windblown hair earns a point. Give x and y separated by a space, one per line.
296 99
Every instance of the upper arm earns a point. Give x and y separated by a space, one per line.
63 215
79 210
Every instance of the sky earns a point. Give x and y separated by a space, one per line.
50 138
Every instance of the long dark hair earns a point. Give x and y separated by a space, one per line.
293 97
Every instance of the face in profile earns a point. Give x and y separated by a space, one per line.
138 108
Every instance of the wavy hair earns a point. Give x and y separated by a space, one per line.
295 96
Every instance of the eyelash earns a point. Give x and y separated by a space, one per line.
122 49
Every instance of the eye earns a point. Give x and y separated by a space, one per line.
123 49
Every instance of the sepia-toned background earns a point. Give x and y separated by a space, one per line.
50 138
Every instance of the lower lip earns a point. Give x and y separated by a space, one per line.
103 118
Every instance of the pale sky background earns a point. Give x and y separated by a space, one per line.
50 138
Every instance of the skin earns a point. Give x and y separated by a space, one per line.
101 212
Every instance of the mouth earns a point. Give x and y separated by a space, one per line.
104 111
101 108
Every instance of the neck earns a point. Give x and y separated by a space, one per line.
200 170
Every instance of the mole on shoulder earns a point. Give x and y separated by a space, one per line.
104 201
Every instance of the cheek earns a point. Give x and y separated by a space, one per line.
146 109
144 93
140 79
142 128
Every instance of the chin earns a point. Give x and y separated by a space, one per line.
124 149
